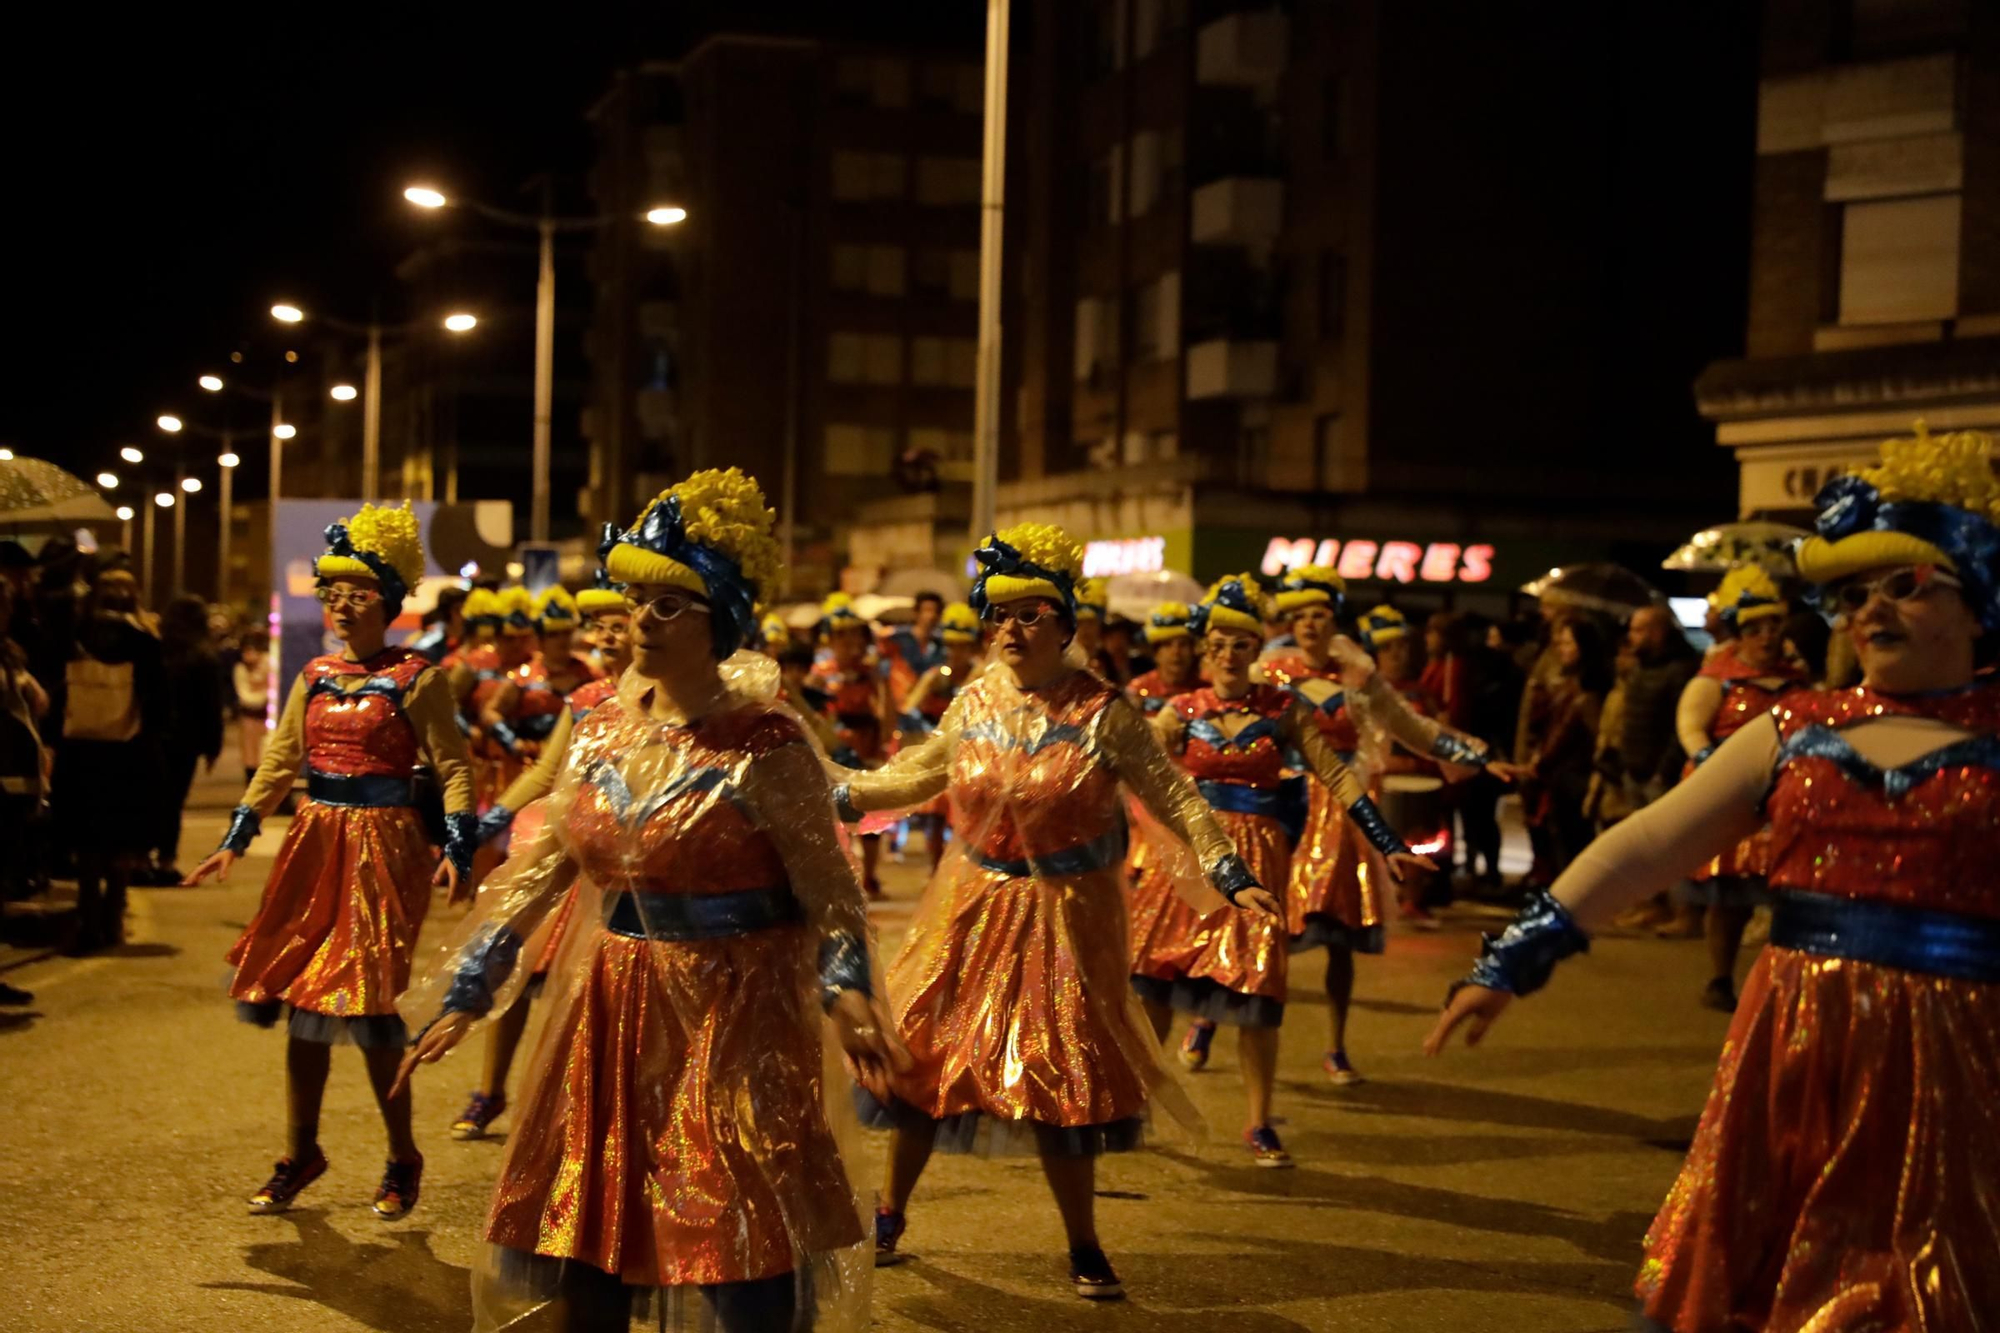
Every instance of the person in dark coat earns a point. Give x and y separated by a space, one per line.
192 729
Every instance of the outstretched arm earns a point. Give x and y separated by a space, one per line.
912 776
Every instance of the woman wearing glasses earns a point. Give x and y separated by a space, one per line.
671 1146
1846 1172
331 943
1233 736
1011 988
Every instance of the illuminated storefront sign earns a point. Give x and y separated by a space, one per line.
1124 555
1391 562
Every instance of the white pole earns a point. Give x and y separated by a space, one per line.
146 502
545 371
227 521
371 419
179 585
986 390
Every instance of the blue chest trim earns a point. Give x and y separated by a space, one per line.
632 812
1331 705
1819 741
1008 739
1205 731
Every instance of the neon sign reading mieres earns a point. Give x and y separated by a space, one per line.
1391 562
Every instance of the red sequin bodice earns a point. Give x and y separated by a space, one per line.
1331 715
1744 693
656 809
586 697
539 696
1028 780
848 692
1921 834
1152 690
1254 756
359 728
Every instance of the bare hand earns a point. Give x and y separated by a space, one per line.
447 877
1401 862
1476 1003
1507 772
217 865
432 1047
1260 901
868 1042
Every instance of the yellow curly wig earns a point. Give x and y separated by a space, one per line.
1042 544
1382 626
515 600
1293 594
599 601
482 604
555 608
392 534
1169 620
959 624
722 509
1262 609
1748 581
837 612
1092 600
1954 469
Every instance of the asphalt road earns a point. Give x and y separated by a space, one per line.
1491 1192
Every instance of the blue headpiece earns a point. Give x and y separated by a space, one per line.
1849 505
732 597
1000 559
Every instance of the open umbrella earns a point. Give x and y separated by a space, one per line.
34 492
1716 550
1611 590
1135 595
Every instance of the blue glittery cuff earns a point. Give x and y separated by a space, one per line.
509 739
843 804
1456 749
464 726
1231 876
484 966
1699 757
244 826
1368 818
845 756
843 966
461 839
1520 959
494 824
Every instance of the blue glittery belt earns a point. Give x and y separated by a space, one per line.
1107 849
360 789
700 916
1910 939
1285 803
536 726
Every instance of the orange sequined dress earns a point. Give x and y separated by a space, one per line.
542 699
1333 896
672 1131
1150 692
1746 694
334 933
1225 965
1846 1173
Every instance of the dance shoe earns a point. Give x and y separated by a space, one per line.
400 1184
1091 1272
1265 1148
1339 1071
287 1179
888 1230
480 1112
1719 994
1194 1046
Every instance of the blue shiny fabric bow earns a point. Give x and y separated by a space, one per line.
1236 597
1172 622
732 597
394 590
998 557
1333 594
1371 625
1848 505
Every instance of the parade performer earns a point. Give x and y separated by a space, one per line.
533 695
672 1139
1176 658
925 703
331 942
477 648
1011 987
856 694
495 701
1738 683
1335 898
1846 1171
913 649
447 628
1092 606
1409 784
1232 736
607 622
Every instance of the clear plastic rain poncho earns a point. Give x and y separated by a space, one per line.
674 1128
1012 988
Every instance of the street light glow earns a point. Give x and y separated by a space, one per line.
667 215
212 383
284 430
108 480
461 322
6 455
344 393
169 423
125 513
165 499
287 314
191 484
423 196
228 460
131 455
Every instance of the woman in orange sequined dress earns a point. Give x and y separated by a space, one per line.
1011 989
855 690
1225 966
672 1145
1845 1177
332 940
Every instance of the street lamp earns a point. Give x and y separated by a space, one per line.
343 393
545 225
6 455
461 322
131 455
284 430
169 423
125 517
192 485
108 480
287 314
226 461
212 383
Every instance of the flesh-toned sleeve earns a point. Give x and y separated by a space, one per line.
1134 751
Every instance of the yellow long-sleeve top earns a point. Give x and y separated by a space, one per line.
376 717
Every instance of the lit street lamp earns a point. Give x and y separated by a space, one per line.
125 517
212 383
131 455
343 393
108 480
546 225
169 423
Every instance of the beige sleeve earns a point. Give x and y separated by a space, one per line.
1303 734
463 682
789 795
284 754
500 705
1716 807
434 713
1135 754
1410 729
912 776
920 691
1700 701
540 779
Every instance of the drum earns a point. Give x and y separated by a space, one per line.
1415 806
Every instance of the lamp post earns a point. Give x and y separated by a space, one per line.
545 226
227 461
992 210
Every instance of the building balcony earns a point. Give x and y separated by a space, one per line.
1242 50
1232 368
1240 210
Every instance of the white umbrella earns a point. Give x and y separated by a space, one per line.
32 491
1716 550
1610 590
1135 595
875 606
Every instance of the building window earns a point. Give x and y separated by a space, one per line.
843 358
850 268
1145 171
854 450
1332 294
890 83
946 181
1899 260
1104 191
944 362
1156 318
1333 119
862 176
950 86
1096 339
930 272
1108 49
885 270
882 359
853 80
964 275
1326 450
950 446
